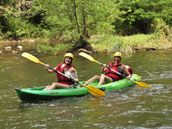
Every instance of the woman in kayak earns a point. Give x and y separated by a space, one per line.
113 72
68 70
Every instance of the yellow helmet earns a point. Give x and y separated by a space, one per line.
118 54
69 55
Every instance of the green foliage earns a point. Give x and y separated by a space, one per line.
7 2
136 16
99 15
59 16
13 22
20 28
48 49
63 21
127 44
160 27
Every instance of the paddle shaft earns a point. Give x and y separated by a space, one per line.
63 74
138 83
90 89
111 69
108 67
66 76
93 90
92 59
118 72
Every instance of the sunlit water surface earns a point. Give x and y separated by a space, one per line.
132 108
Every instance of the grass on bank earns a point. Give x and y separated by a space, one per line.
57 49
127 44
112 43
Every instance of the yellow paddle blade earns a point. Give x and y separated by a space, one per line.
31 57
142 84
95 91
88 57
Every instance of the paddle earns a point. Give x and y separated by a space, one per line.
93 90
141 84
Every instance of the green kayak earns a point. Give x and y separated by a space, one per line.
37 93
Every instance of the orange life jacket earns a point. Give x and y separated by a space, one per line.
62 79
117 67
112 74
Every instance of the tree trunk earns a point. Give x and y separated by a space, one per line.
81 42
76 18
84 32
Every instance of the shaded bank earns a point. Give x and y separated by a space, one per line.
112 43
26 43
99 43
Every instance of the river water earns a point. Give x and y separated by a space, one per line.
132 108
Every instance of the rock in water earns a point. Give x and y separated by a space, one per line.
8 49
19 48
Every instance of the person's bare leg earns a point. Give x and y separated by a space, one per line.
47 87
102 79
96 77
55 85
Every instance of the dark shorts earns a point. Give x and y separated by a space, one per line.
114 80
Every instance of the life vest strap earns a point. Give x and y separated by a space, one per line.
69 80
61 78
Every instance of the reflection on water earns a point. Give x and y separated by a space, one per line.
132 108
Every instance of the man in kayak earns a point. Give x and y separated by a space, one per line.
113 72
66 68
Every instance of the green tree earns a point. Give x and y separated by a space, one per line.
136 16
76 18
13 21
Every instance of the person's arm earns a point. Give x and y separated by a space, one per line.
73 74
126 72
47 67
104 68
